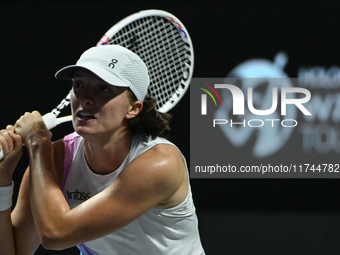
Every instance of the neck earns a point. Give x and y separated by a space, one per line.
106 154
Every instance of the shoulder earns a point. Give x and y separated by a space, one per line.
166 153
158 145
160 170
163 158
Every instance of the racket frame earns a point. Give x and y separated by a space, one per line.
189 52
51 119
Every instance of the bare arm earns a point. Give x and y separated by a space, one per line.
17 232
149 180
6 233
134 192
25 234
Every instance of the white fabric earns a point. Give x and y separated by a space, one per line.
6 197
114 64
172 231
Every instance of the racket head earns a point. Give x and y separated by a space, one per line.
164 44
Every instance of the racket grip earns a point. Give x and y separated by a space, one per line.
2 155
50 121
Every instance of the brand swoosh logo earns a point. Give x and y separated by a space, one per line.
209 93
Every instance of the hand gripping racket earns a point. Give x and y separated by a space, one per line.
163 43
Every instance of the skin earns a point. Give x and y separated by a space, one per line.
157 178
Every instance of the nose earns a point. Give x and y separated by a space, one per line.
85 96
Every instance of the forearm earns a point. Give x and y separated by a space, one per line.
6 233
47 201
6 230
13 230
17 231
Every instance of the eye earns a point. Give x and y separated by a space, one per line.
77 84
104 88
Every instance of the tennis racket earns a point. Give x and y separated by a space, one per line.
163 43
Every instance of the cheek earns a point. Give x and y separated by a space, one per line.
113 111
73 102
119 106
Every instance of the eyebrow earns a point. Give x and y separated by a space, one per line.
78 76
101 80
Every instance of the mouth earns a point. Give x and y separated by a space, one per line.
85 116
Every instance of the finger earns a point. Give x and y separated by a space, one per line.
17 140
12 158
2 143
28 118
10 128
6 141
36 113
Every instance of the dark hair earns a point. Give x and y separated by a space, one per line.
149 120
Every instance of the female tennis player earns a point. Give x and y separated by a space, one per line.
114 186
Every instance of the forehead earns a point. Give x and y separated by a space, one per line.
86 74
83 75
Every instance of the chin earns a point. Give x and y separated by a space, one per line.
83 131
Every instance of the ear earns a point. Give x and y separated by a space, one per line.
135 108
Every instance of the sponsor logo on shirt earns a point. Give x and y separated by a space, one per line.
77 195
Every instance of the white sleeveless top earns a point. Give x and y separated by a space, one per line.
171 231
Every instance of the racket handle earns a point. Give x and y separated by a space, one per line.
50 121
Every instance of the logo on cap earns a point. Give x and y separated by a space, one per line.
113 62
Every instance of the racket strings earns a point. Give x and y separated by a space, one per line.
62 105
158 42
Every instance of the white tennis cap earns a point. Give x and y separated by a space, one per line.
115 65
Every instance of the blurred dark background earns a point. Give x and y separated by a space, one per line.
237 216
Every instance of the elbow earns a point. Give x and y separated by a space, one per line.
55 235
52 241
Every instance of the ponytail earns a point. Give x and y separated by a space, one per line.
149 120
